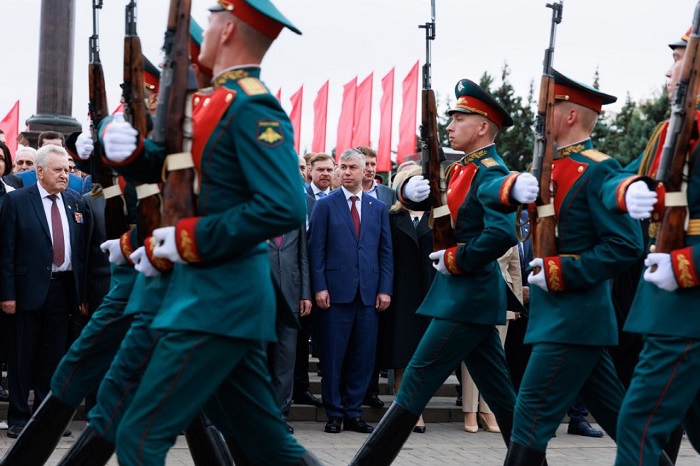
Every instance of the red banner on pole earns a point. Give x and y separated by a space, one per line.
320 119
295 116
409 116
10 125
347 118
386 110
279 95
362 122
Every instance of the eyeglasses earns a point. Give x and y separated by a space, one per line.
72 169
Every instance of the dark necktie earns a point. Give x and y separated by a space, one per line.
416 221
59 248
355 215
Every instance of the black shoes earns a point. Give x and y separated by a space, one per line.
373 401
308 398
14 431
583 428
333 425
419 429
358 425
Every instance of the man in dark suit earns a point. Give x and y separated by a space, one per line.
43 253
322 166
352 276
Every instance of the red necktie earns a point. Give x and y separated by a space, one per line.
355 215
59 249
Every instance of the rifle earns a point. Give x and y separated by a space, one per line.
432 155
136 113
542 221
675 152
106 180
173 127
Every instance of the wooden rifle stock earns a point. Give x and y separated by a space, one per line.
674 156
179 200
115 207
136 113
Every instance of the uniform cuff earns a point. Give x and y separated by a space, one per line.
504 193
451 261
684 268
186 239
553 273
126 245
161 264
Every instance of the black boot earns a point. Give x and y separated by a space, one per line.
520 455
91 449
665 460
206 445
239 458
309 459
505 424
40 436
384 444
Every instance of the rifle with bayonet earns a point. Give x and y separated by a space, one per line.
136 113
542 221
173 127
105 179
432 155
673 165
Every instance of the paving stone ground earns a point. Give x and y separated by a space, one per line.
444 444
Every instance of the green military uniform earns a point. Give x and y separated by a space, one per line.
220 306
665 388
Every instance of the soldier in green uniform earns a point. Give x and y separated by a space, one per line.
468 297
665 387
219 309
572 318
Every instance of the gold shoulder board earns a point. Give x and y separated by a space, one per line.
252 86
489 162
595 155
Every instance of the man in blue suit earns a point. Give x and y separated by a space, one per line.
351 274
29 177
45 232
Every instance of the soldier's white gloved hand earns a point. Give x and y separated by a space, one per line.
165 245
663 276
640 200
114 250
120 139
84 146
539 278
438 258
417 189
525 188
142 264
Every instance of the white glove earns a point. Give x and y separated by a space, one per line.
440 266
663 276
142 264
525 189
84 146
112 247
120 139
640 200
417 189
539 278
165 246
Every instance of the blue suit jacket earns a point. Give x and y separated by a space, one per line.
340 261
26 249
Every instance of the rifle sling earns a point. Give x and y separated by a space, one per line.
441 211
112 191
146 190
546 210
179 161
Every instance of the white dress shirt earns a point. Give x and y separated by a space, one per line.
358 203
64 221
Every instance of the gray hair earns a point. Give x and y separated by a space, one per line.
353 154
24 149
42 155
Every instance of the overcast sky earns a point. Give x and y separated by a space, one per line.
625 39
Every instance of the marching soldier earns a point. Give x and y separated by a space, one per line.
468 297
219 308
665 387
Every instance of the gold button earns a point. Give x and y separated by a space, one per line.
652 248
660 185
580 169
196 100
206 101
229 98
449 191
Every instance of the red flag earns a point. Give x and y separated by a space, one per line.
320 120
409 116
363 113
279 95
347 117
10 125
386 110
295 115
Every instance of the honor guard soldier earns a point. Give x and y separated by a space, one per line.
572 319
665 387
209 337
468 297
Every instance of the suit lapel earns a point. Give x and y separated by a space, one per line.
342 205
424 225
404 224
368 206
38 205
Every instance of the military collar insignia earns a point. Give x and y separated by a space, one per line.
476 155
572 149
233 75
